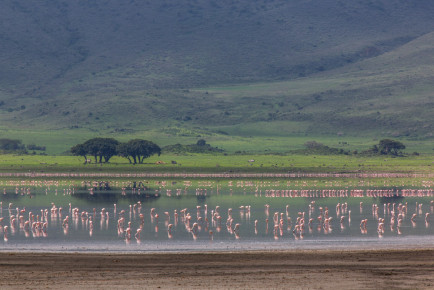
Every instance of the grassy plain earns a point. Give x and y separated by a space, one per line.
246 139
219 163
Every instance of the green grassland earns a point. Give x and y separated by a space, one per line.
220 163
249 139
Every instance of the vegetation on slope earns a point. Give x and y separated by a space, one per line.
343 67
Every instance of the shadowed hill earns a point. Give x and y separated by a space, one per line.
124 64
390 94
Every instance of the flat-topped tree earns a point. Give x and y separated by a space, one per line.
138 150
80 150
390 147
101 148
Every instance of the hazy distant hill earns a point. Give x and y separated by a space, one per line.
125 64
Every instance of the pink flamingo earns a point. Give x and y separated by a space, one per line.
5 232
169 231
137 235
237 231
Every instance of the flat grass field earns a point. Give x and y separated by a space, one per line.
270 154
247 138
207 163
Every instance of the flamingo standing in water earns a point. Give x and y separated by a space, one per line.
90 226
137 235
38 224
169 231
194 231
128 232
342 223
413 220
363 228
5 233
237 231
276 232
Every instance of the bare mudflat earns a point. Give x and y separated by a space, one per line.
364 269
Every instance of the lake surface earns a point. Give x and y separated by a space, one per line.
136 218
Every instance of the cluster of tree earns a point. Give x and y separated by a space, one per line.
16 146
387 147
200 147
10 145
313 147
36 147
102 149
384 147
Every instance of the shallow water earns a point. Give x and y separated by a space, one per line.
89 221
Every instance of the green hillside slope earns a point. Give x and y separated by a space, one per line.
391 94
306 67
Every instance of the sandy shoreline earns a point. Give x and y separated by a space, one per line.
361 269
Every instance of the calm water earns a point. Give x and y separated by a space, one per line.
65 219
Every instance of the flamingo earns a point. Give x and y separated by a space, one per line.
169 231
137 235
5 233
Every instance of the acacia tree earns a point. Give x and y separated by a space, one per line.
79 150
135 150
99 148
390 147
102 148
138 150
124 151
109 148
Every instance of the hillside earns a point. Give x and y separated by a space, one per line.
387 95
306 67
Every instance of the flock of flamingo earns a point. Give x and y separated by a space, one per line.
321 219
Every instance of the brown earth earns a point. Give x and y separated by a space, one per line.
361 269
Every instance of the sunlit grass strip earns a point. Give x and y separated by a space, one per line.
205 163
217 175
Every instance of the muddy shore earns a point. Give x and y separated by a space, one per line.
364 269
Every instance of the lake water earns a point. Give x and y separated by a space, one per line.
136 219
